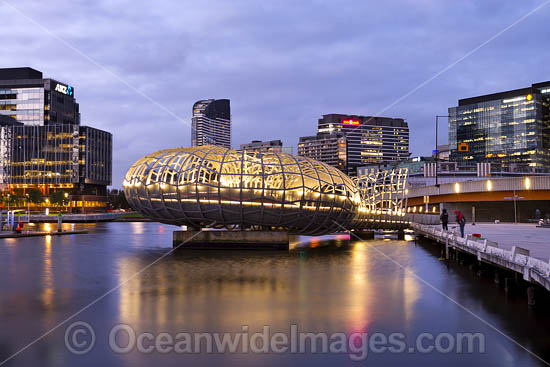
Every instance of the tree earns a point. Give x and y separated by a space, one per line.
8 199
35 196
117 199
58 198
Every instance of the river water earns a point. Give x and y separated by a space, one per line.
140 299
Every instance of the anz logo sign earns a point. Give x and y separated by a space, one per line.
65 89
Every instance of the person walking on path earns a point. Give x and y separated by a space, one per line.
444 218
461 220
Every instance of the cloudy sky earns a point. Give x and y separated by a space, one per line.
138 66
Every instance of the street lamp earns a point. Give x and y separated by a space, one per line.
436 149
28 207
66 202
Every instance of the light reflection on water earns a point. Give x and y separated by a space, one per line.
338 288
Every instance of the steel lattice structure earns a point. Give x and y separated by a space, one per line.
212 186
383 193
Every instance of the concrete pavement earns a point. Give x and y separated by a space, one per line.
526 235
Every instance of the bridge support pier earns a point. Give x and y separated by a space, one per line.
401 234
364 235
509 284
234 240
531 296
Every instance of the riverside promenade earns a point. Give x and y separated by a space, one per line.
508 235
519 248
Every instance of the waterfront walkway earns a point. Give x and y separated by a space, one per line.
520 248
507 235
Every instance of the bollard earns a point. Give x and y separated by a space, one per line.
59 221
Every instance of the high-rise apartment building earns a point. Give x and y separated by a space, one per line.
510 130
44 147
266 146
327 148
351 141
211 123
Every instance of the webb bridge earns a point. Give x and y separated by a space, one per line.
238 190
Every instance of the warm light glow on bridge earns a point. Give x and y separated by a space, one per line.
212 186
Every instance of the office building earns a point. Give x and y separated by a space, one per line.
30 99
326 148
266 146
510 130
211 123
351 141
44 147
442 153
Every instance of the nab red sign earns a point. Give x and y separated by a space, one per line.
350 122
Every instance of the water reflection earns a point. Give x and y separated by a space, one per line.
360 290
137 227
47 274
340 288
193 280
229 289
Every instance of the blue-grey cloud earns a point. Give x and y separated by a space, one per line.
282 63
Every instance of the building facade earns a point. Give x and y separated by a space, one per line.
327 148
211 123
266 146
30 99
509 129
351 141
44 147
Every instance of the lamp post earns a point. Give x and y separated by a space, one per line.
437 150
28 208
66 201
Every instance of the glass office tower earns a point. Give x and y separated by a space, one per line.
211 123
510 130
32 100
44 147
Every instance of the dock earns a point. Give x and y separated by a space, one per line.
38 233
529 261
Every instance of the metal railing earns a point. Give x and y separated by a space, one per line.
517 259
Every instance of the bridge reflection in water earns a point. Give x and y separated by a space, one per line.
212 186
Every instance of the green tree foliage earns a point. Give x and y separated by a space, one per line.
35 196
117 200
58 198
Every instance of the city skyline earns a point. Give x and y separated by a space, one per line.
338 60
